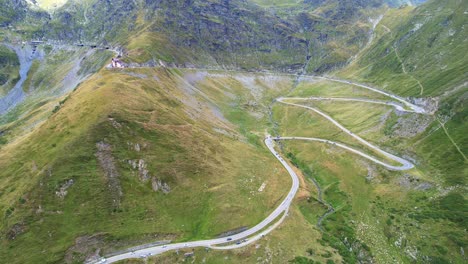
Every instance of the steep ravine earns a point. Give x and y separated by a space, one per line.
26 55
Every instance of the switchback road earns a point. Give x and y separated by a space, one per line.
280 213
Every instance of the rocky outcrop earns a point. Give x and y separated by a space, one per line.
107 164
408 126
429 104
137 146
157 185
144 176
409 182
140 165
62 191
16 230
86 248
18 11
233 34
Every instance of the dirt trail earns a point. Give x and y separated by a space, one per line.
403 68
451 139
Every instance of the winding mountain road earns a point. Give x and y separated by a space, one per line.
211 243
415 108
281 212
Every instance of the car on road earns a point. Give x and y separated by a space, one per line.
238 243
102 260
229 239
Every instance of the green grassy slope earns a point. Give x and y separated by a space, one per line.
192 135
380 216
417 52
428 44
423 55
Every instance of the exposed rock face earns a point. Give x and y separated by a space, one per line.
14 11
62 192
107 163
142 171
16 230
229 34
140 164
409 182
114 123
157 185
144 176
85 248
410 126
429 104
137 146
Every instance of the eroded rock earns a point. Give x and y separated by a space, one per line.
85 249
144 176
16 230
157 185
107 164
62 192
409 182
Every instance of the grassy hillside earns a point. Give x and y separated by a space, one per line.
77 167
423 55
427 46
379 215
416 216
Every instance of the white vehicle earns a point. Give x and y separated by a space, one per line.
102 260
